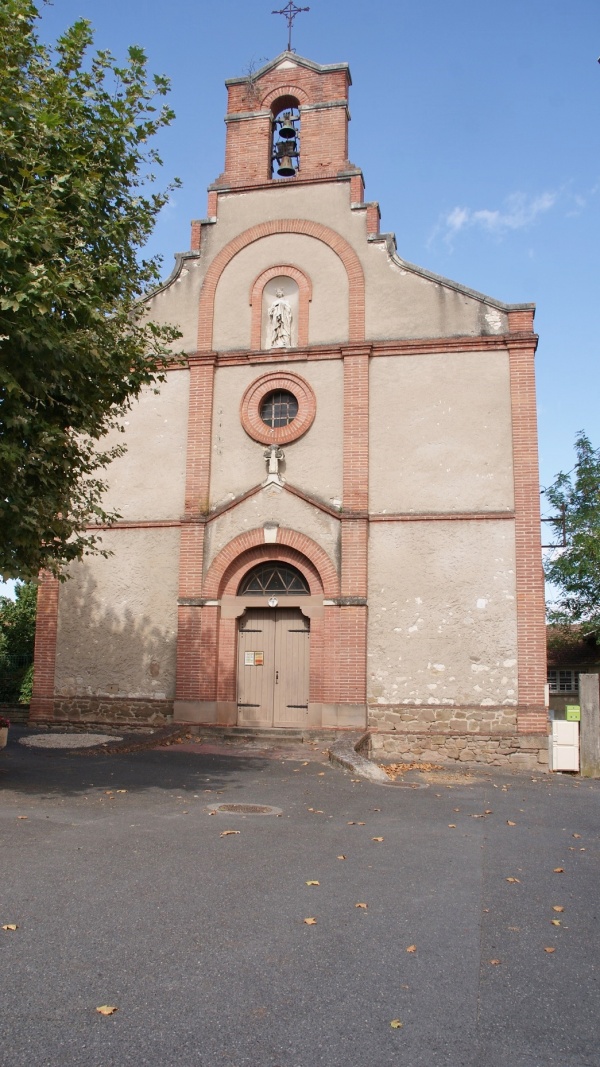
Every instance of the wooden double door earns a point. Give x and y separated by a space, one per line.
273 667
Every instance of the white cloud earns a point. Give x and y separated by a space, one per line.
517 212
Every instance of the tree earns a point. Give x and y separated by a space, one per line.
575 568
77 206
17 637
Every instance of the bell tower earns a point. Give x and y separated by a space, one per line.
288 122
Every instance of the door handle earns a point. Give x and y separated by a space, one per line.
276 677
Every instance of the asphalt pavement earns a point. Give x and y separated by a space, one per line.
127 892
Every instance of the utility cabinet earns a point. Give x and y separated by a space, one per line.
564 746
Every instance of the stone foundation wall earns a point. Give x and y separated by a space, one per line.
521 751
437 734
411 718
118 711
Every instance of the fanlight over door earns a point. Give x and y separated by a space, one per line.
269 578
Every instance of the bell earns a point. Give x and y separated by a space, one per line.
285 167
286 130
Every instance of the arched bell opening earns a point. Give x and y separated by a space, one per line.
285 139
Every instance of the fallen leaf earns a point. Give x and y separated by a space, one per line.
557 907
107 1009
412 948
559 870
376 839
363 906
455 809
549 950
509 823
310 922
310 809
226 833
495 962
341 857
108 793
555 922
452 826
576 835
513 880
121 790
356 779
10 926
488 811
396 1024
351 824
313 883
321 774
305 764
361 824
318 811
22 816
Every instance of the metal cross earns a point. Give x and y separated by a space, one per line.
290 11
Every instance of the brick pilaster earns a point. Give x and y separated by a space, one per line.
42 701
196 235
351 644
531 629
193 621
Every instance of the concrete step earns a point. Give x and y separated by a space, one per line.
266 736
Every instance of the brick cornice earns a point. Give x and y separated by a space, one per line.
232 186
420 346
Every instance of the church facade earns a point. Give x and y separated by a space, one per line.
330 509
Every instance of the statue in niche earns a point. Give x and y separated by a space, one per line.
280 321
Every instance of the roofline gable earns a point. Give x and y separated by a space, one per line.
299 61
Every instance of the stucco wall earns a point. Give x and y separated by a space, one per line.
178 303
313 463
399 301
148 482
442 619
441 433
118 618
328 310
273 505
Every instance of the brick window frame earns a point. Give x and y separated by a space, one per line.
252 402
285 270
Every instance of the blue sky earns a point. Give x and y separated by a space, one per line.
477 129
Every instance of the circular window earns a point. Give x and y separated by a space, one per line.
278 408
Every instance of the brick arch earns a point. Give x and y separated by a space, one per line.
344 251
284 90
230 564
305 296
265 554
